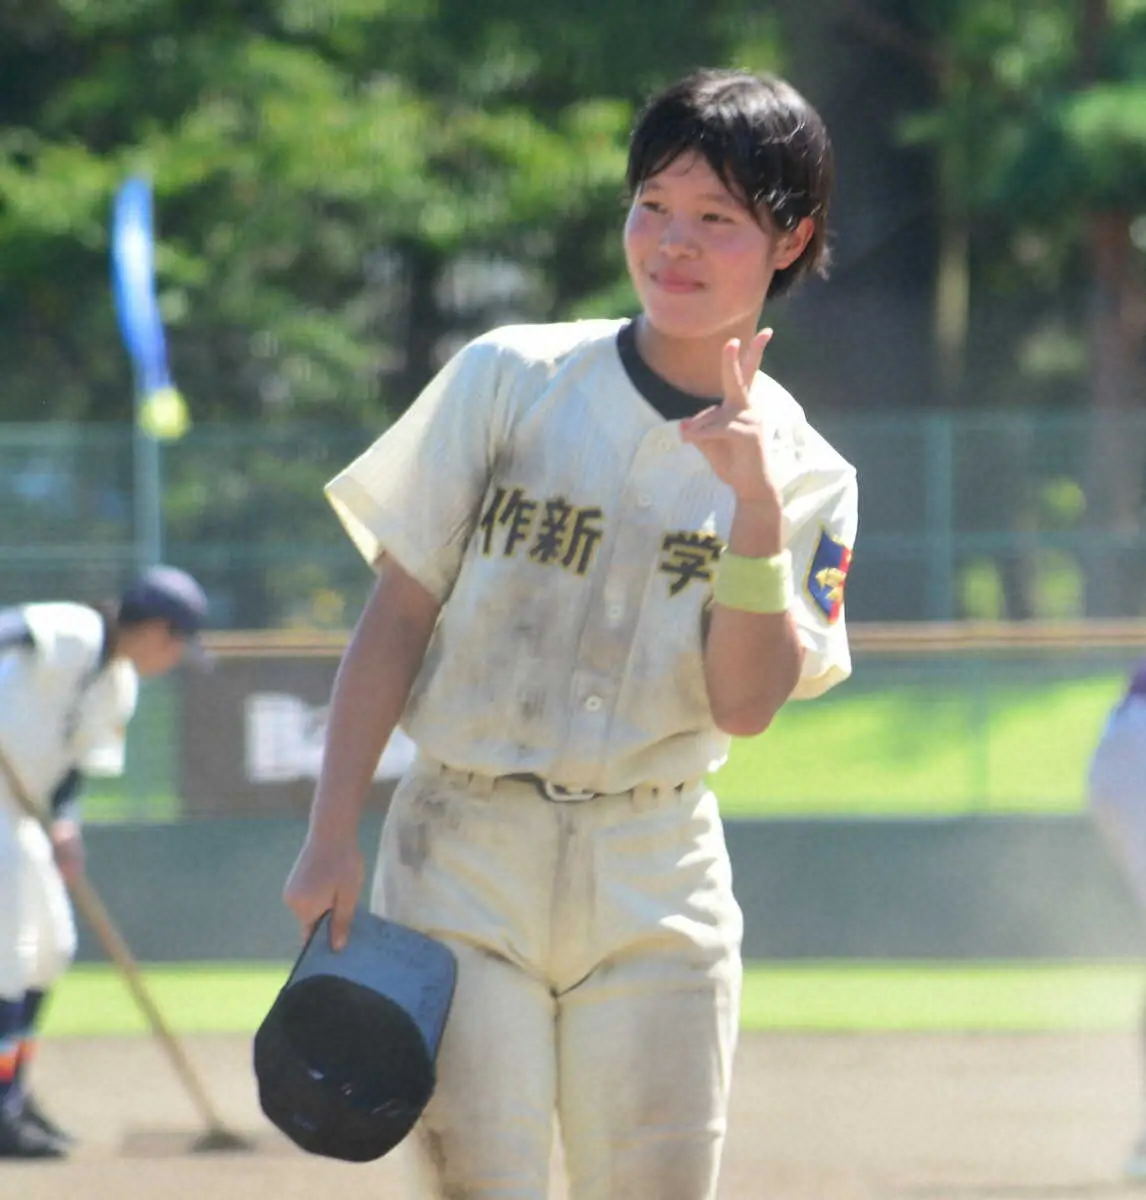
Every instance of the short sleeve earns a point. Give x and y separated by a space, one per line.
415 493
822 511
101 739
108 757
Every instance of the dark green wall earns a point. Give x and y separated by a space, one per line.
972 888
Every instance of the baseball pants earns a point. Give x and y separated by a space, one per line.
37 928
598 946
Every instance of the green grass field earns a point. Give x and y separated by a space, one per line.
820 997
923 749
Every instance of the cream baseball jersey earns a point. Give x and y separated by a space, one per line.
58 709
572 539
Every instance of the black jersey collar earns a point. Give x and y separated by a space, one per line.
672 403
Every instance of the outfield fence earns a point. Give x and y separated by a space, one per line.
938 719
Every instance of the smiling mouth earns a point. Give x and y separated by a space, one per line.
675 284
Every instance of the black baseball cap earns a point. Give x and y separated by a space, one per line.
345 1058
168 594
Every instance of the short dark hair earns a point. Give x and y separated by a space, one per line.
765 142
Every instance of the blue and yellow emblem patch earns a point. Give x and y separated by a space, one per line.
827 576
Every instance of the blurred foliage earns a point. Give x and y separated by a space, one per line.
346 190
1039 121
340 185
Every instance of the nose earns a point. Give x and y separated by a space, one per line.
677 240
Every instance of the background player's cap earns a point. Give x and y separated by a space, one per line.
167 594
345 1058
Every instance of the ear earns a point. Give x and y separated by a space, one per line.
790 245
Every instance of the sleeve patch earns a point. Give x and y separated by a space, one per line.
827 576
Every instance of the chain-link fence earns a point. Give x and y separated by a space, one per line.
242 509
1013 515
1017 515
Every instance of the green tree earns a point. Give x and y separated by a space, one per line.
345 190
1039 138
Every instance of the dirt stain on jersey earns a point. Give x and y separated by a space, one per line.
413 845
425 814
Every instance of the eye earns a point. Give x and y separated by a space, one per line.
716 218
652 206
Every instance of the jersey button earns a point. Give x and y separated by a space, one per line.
644 500
616 612
593 704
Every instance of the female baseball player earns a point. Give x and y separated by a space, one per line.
1116 793
602 548
68 684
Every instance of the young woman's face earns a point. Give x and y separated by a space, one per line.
700 261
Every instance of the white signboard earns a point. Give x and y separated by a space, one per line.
284 735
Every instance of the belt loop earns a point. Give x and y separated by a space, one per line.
645 796
564 795
481 785
654 795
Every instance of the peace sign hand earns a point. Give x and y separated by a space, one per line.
731 435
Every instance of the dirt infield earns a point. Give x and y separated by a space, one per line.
866 1117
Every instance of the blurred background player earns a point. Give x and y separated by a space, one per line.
1116 788
68 685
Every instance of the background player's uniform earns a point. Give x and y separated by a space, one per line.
1116 792
62 709
1116 782
556 828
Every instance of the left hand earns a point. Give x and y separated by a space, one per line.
68 848
732 435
